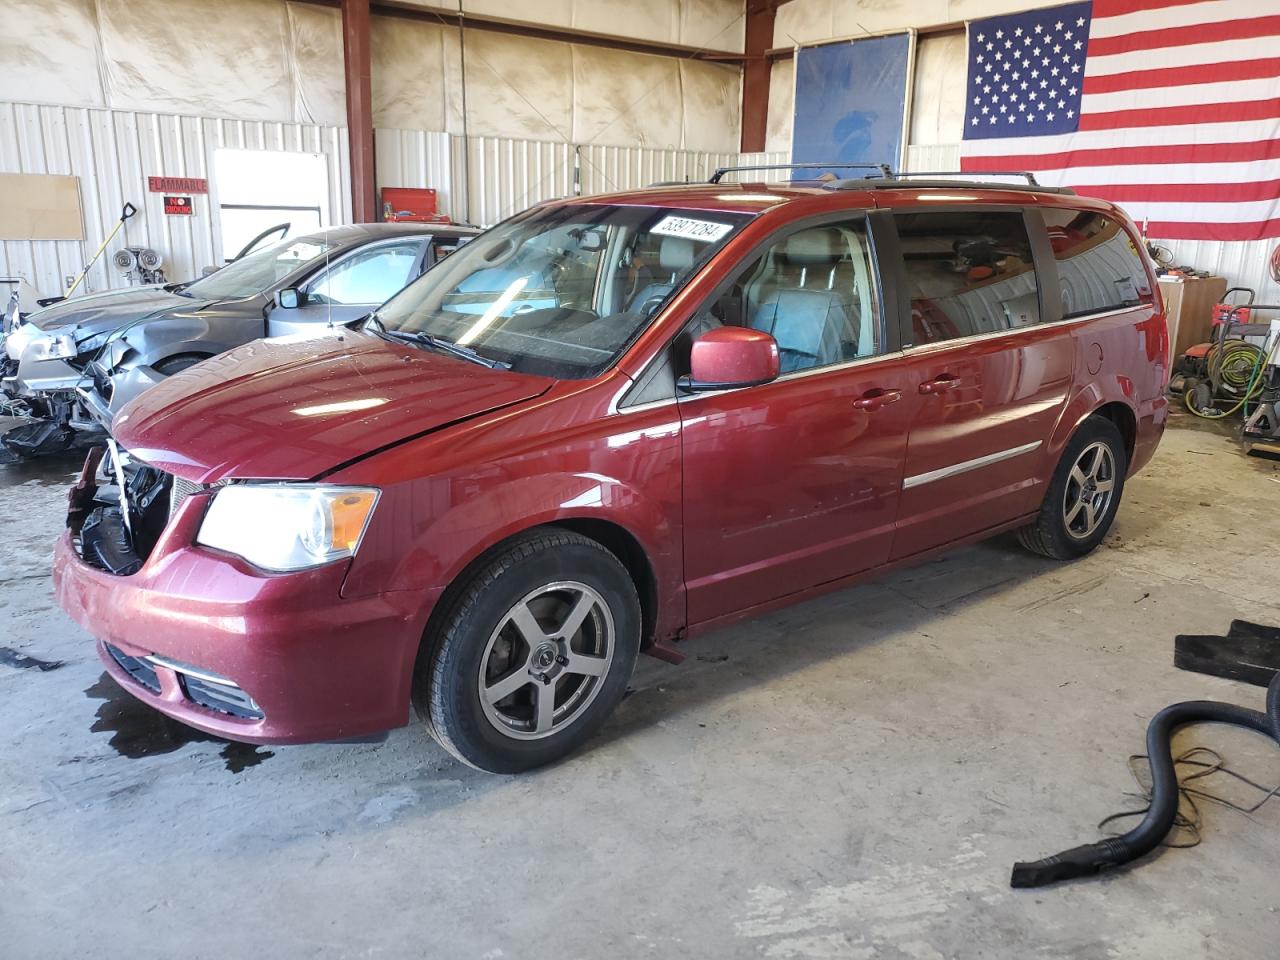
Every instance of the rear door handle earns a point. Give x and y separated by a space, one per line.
940 384
877 398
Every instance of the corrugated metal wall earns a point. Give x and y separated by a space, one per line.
487 179
113 152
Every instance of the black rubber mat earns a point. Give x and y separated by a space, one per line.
1249 652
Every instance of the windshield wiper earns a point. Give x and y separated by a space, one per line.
442 345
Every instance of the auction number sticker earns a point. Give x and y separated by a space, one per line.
704 231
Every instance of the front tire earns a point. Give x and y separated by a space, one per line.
1083 496
533 653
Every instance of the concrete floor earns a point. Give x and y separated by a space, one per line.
848 778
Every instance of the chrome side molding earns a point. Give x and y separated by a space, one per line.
966 465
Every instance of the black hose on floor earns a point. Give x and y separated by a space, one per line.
1146 836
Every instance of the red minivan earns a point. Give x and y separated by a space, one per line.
604 426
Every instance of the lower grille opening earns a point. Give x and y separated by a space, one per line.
135 667
230 700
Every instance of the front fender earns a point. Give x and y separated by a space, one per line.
150 343
127 383
475 522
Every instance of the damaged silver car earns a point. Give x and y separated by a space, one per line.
69 368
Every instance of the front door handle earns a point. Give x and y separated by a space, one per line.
940 384
877 398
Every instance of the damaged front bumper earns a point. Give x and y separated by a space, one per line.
212 641
48 394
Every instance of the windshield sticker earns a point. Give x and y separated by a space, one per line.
704 231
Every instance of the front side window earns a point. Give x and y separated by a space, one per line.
813 291
968 273
1099 266
367 276
560 291
259 272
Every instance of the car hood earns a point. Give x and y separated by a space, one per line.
103 312
295 408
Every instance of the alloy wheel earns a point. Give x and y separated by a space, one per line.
546 661
1090 487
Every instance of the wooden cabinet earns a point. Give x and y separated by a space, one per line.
1189 308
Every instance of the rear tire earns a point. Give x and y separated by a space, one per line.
1083 496
533 653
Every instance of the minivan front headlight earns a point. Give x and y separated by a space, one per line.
282 527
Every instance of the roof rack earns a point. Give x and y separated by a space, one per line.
882 168
1031 177
965 179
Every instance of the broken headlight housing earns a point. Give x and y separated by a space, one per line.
15 343
282 527
60 346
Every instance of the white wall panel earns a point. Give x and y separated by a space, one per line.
416 158
506 176
113 152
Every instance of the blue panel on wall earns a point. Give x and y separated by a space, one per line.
849 101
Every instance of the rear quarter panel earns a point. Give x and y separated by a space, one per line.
1122 357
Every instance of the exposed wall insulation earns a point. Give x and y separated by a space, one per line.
782 93
202 56
113 153
49 52
277 60
709 24
412 61
314 56
806 21
545 90
937 100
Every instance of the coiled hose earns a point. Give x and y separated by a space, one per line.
1237 366
1155 826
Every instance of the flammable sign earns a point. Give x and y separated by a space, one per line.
177 206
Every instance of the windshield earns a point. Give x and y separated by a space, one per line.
259 272
561 291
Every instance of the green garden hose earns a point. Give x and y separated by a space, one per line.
1227 364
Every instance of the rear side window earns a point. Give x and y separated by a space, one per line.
968 273
1098 265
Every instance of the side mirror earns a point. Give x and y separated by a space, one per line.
290 298
729 357
208 271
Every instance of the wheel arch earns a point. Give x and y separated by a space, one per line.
1113 402
613 536
1125 420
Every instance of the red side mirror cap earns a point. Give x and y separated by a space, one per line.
729 357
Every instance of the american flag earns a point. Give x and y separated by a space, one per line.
1168 108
